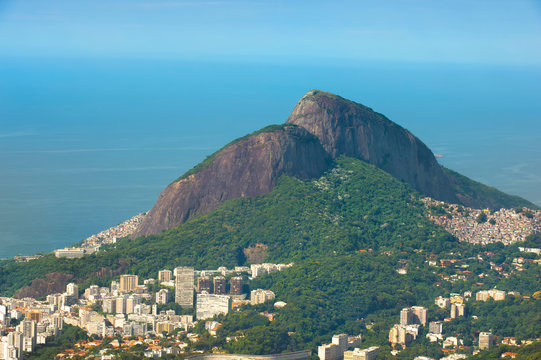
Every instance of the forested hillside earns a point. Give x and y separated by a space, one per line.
353 206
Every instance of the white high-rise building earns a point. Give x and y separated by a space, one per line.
184 286
16 341
209 305
72 290
162 297
457 310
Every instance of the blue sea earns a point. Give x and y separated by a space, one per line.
88 143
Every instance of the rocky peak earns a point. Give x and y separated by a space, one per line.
346 128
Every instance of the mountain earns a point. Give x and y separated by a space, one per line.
321 128
337 190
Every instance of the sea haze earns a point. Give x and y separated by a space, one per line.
87 144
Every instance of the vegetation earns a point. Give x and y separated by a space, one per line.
354 206
532 240
528 352
69 336
512 317
481 218
485 196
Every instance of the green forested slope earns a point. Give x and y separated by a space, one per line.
347 293
478 195
354 206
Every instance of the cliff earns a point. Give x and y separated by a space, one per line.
347 128
248 167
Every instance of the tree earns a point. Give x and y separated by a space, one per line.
481 218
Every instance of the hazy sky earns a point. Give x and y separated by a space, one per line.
493 31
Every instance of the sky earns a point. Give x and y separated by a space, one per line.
104 103
456 31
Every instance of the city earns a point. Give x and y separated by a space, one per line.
160 314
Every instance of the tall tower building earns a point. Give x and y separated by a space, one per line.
73 290
419 315
406 316
219 285
58 320
342 341
203 284
16 339
128 283
28 328
236 285
131 302
162 296
485 340
120 305
109 305
209 305
435 327
165 276
184 286
457 310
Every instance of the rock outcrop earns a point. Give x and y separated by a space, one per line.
247 168
51 283
347 128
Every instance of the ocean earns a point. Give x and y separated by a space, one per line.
88 143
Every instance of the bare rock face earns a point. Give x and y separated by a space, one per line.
247 168
51 283
347 128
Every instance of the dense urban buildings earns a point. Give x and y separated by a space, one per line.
505 225
129 309
338 346
110 235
